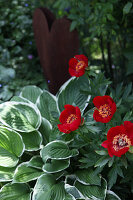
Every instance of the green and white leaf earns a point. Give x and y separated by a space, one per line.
15 191
73 191
57 150
25 173
56 166
31 92
47 105
32 140
36 162
45 130
69 197
6 174
72 92
21 117
111 195
92 191
11 147
19 99
46 188
88 177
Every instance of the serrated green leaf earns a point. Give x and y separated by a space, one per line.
20 116
102 161
102 152
92 191
112 176
31 93
56 166
88 177
15 191
127 91
47 105
57 150
46 188
11 147
25 173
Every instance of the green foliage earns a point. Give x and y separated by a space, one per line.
19 63
54 165
105 31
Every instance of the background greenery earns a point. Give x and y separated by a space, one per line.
105 31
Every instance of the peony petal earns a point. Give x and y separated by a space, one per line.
72 63
79 73
82 58
99 118
101 100
75 124
65 128
105 144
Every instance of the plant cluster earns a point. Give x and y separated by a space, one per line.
19 65
72 146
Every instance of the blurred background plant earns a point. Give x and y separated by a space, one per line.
105 32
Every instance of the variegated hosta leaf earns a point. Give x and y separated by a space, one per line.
47 188
11 147
22 117
31 92
72 92
88 177
93 191
15 191
57 150
25 173
56 166
47 105
19 99
73 191
36 162
45 130
6 174
32 140
69 197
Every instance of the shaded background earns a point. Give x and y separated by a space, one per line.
105 31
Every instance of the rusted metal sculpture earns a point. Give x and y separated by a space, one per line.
56 45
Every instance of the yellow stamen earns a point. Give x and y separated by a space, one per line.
71 118
105 110
121 141
80 65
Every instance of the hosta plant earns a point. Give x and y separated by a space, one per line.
75 145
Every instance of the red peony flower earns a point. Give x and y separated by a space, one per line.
70 119
119 139
105 108
77 65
